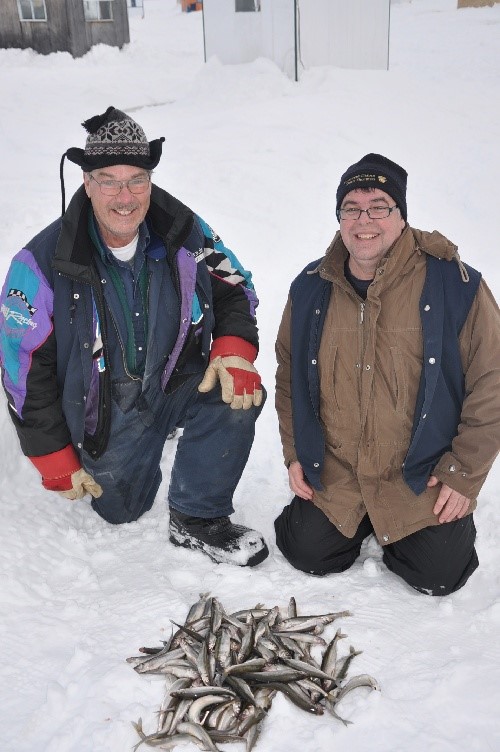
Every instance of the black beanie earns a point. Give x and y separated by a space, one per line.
115 139
375 171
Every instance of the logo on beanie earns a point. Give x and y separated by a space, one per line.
364 177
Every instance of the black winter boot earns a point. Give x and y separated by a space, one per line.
218 538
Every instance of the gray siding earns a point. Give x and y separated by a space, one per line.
76 28
114 33
65 30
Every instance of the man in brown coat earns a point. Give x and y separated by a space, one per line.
387 392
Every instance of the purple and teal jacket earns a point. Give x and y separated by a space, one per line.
60 343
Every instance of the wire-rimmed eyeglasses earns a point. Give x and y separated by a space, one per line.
114 187
374 212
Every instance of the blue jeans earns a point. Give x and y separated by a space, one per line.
211 453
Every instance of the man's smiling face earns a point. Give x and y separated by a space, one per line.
118 216
367 239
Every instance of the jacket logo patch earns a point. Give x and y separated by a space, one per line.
20 294
17 312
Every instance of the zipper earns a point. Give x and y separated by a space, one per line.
361 353
124 359
362 310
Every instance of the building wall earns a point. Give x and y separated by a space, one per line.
114 33
65 29
236 37
77 34
352 34
42 36
476 3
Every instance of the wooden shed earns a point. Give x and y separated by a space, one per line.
72 26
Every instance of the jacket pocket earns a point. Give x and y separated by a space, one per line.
334 372
328 377
125 393
400 385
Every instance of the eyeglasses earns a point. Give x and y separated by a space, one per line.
374 212
114 187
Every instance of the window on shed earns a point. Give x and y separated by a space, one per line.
98 10
246 6
32 10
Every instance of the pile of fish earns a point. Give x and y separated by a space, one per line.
223 670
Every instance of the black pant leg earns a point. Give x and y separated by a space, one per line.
437 560
310 542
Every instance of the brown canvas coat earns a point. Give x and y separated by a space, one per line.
370 361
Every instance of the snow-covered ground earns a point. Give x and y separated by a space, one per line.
259 157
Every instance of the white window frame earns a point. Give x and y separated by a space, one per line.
32 19
97 4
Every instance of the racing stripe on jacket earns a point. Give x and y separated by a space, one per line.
222 263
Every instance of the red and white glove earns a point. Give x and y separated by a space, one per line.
62 472
231 361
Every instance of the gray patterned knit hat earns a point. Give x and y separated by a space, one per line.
115 139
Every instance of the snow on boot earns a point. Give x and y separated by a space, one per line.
218 538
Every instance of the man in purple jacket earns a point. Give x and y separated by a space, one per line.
121 321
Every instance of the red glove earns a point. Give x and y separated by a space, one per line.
62 472
231 361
